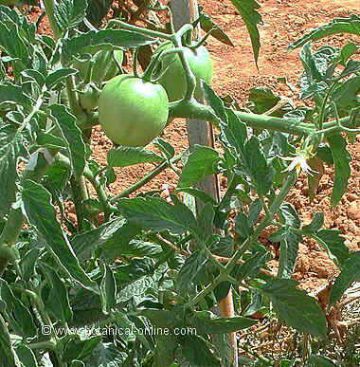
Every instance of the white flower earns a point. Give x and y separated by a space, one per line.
300 161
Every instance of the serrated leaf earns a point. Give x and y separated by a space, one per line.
294 307
198 353
262 99
79 349
193 266
135 289
13 94
320 361
42 215
69 13
208 24
165 349
21 318
215 102
14 45
106 39
6 352
234 132
316 223
73 136
57 299
338 25
259 169
11 148
205 323
111 237
201 163
342 160
127 156
350 273
289 247
107 355
26 356
108 290
165 147
156 214
58 76
248 10
334 243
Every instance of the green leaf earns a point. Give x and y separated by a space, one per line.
350 273
157 215
198 353
26 356
111 237
136 289
73 136
215 102
107 355
42 215
11 148
346 95
208 24
21 318
127 156
338 25
190 271
57 298
106 39
206 323
69 13
320 361
289 247
316 223
13 94
234 132
14 44
59 76
78 349
165 349
201 163
342 160
248 10
294 307
334 243
259 169
108 290
6 351
263 99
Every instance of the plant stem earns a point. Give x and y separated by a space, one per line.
146 179
290 181
144 31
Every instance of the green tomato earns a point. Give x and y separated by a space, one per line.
174 78
88 98
132 111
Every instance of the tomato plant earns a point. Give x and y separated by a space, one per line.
89 277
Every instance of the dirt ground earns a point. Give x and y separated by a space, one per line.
235 73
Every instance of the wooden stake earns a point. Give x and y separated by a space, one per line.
200 132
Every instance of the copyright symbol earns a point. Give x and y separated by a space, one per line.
46 330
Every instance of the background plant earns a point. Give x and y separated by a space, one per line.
144 261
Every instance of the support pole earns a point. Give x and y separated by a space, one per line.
200 132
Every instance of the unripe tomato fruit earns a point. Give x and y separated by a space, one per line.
132 111
88 98
174 79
